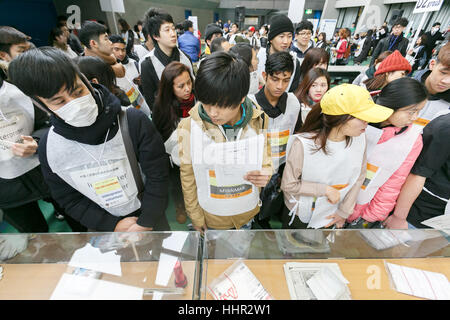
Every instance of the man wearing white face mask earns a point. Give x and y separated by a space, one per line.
85 158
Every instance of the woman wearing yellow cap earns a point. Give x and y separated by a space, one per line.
326 163
392 149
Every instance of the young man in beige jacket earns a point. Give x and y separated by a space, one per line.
223 149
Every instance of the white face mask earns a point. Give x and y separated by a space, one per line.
80 112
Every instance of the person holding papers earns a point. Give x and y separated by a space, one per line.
224 153
326 161
283 109
392 148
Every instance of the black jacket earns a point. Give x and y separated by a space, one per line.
30 186
365 50
401 44
150 152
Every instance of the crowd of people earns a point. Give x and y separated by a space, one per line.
108 127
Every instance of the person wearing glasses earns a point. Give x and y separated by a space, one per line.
303 43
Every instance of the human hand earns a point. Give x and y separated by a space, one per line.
336 220
333 195
202 229
393 222
137 81
259 178
124 224
25 149
137 228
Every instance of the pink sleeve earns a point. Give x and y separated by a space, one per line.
386 197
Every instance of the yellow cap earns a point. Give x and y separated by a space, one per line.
355 101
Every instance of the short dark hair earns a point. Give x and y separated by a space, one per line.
10 36
153 20
401 93
436 24
91 30
95 67
54 33
304 25
401 21
187 24
115 38
124 24
234 23
244 51
55 70
279 62
216 44
220 74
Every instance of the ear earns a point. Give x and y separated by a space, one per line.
264 75
93 43
243 99
432 64
4 56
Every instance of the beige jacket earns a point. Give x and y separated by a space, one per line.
199 216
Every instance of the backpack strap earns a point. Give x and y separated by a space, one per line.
131 155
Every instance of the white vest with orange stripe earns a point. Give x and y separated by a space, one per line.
431 110
280 128
340 168
384 159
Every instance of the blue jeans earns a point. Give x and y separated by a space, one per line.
411 227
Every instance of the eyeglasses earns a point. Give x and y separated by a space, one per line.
305 34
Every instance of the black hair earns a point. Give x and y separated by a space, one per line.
401 93
279 62
10 36
187 24
153 20
55 70
138 23
95 67
304 25
216 44
436 24
61 18
223 80
234 23
244 51
124 25
401 21
91 30
115 38
54 33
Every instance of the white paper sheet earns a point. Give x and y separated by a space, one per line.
439 222
91 258
73 287
176 241
238 283
165 268
236 159
326 285
419 283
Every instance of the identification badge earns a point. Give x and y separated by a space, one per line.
278 142
106 184
10 132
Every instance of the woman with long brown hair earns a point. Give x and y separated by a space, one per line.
311 90
326 161
314 58
174 101
341 47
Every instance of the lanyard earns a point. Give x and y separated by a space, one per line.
392 43
101 154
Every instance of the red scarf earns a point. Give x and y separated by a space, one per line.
186 106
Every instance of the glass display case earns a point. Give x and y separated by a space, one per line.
145 265
326 264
